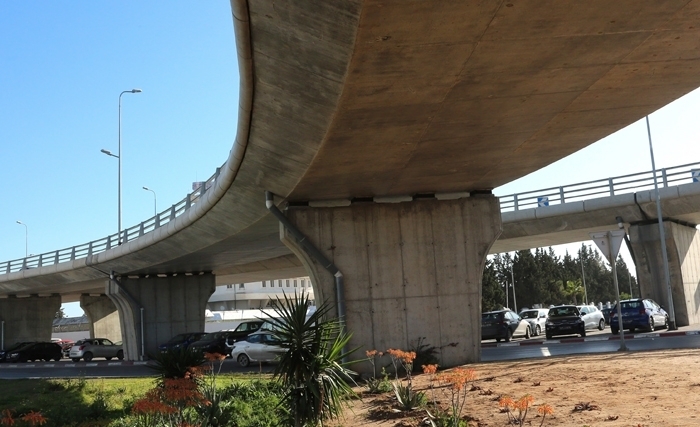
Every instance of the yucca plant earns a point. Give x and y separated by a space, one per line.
311 369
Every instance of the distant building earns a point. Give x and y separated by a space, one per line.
257 295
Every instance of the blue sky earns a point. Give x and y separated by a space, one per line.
63 66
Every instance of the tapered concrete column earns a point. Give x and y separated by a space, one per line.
103 317
411 270
169 306
28 319
683 248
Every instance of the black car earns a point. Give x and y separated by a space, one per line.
565 320
243 330
214 342
503 325
181 341
607 312
13 347
36 351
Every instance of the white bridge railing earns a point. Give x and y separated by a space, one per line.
668 177
96 246
677 175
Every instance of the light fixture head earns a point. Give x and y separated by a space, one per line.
136 91
620 222
146 188
19 222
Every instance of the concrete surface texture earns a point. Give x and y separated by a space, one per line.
411 270
170 305
683 249
28 319
365 98
103 317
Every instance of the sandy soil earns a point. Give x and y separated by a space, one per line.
660 388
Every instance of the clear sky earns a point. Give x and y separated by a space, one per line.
63 65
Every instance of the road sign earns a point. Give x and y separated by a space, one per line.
609 243
542 201
696 174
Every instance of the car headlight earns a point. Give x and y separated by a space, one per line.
14 354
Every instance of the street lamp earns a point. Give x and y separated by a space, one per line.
119 158
155 201
26 238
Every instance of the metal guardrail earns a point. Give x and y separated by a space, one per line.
96 246
677 175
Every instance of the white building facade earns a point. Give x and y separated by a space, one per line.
257 295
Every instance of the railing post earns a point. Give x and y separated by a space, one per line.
612 186
157 221
515 202
55 259
562 199
72 254
24 264
188 200
126 236
7 268
41 259
664 177
172 210
89 249
109 242
141 230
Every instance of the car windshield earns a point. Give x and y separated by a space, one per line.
212 336
530 314
631 305
490 316
563 311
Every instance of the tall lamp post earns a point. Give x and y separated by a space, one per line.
155 200
119 158
26 238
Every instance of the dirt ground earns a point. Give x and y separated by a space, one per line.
659 388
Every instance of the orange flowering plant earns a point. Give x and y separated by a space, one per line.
522 405
454 383
31 418
375 384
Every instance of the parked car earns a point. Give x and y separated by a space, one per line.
257 347
35 351
181 341
592 317
243 330
503 325
536 317
13 347
214 342
639 313
90 348
565 320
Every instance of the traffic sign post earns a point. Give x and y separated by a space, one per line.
609 243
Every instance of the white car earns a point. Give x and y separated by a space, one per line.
258 347
536 317
592 317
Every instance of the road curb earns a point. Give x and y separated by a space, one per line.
589 339
71 365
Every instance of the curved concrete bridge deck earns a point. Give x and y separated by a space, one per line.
370 101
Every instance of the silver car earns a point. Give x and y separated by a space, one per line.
257 347
592 317
96 347
536 317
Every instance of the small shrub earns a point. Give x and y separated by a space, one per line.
407 398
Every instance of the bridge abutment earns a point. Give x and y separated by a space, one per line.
683 249
169 305
103 317
411 270
29 318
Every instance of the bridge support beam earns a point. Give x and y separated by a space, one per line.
28 319
168 306
683 249
103 317
411 270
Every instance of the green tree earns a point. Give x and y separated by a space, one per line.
311 368
492 294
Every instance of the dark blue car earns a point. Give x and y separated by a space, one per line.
639 313
181 341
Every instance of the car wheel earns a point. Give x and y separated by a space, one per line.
651 324
498 340
87 356
509 335
631 330
666 322
549 337
243 360
527 333
601 324
538 330
583 333
108 358
47 359
75 359
613 330
57 359
120 355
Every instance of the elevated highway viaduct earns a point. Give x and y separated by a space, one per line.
382 127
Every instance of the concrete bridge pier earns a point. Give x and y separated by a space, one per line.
103 317
411 270
169 305
683 249
28 318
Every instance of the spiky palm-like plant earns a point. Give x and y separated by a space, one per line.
311 368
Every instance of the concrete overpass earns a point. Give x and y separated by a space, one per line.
351 106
